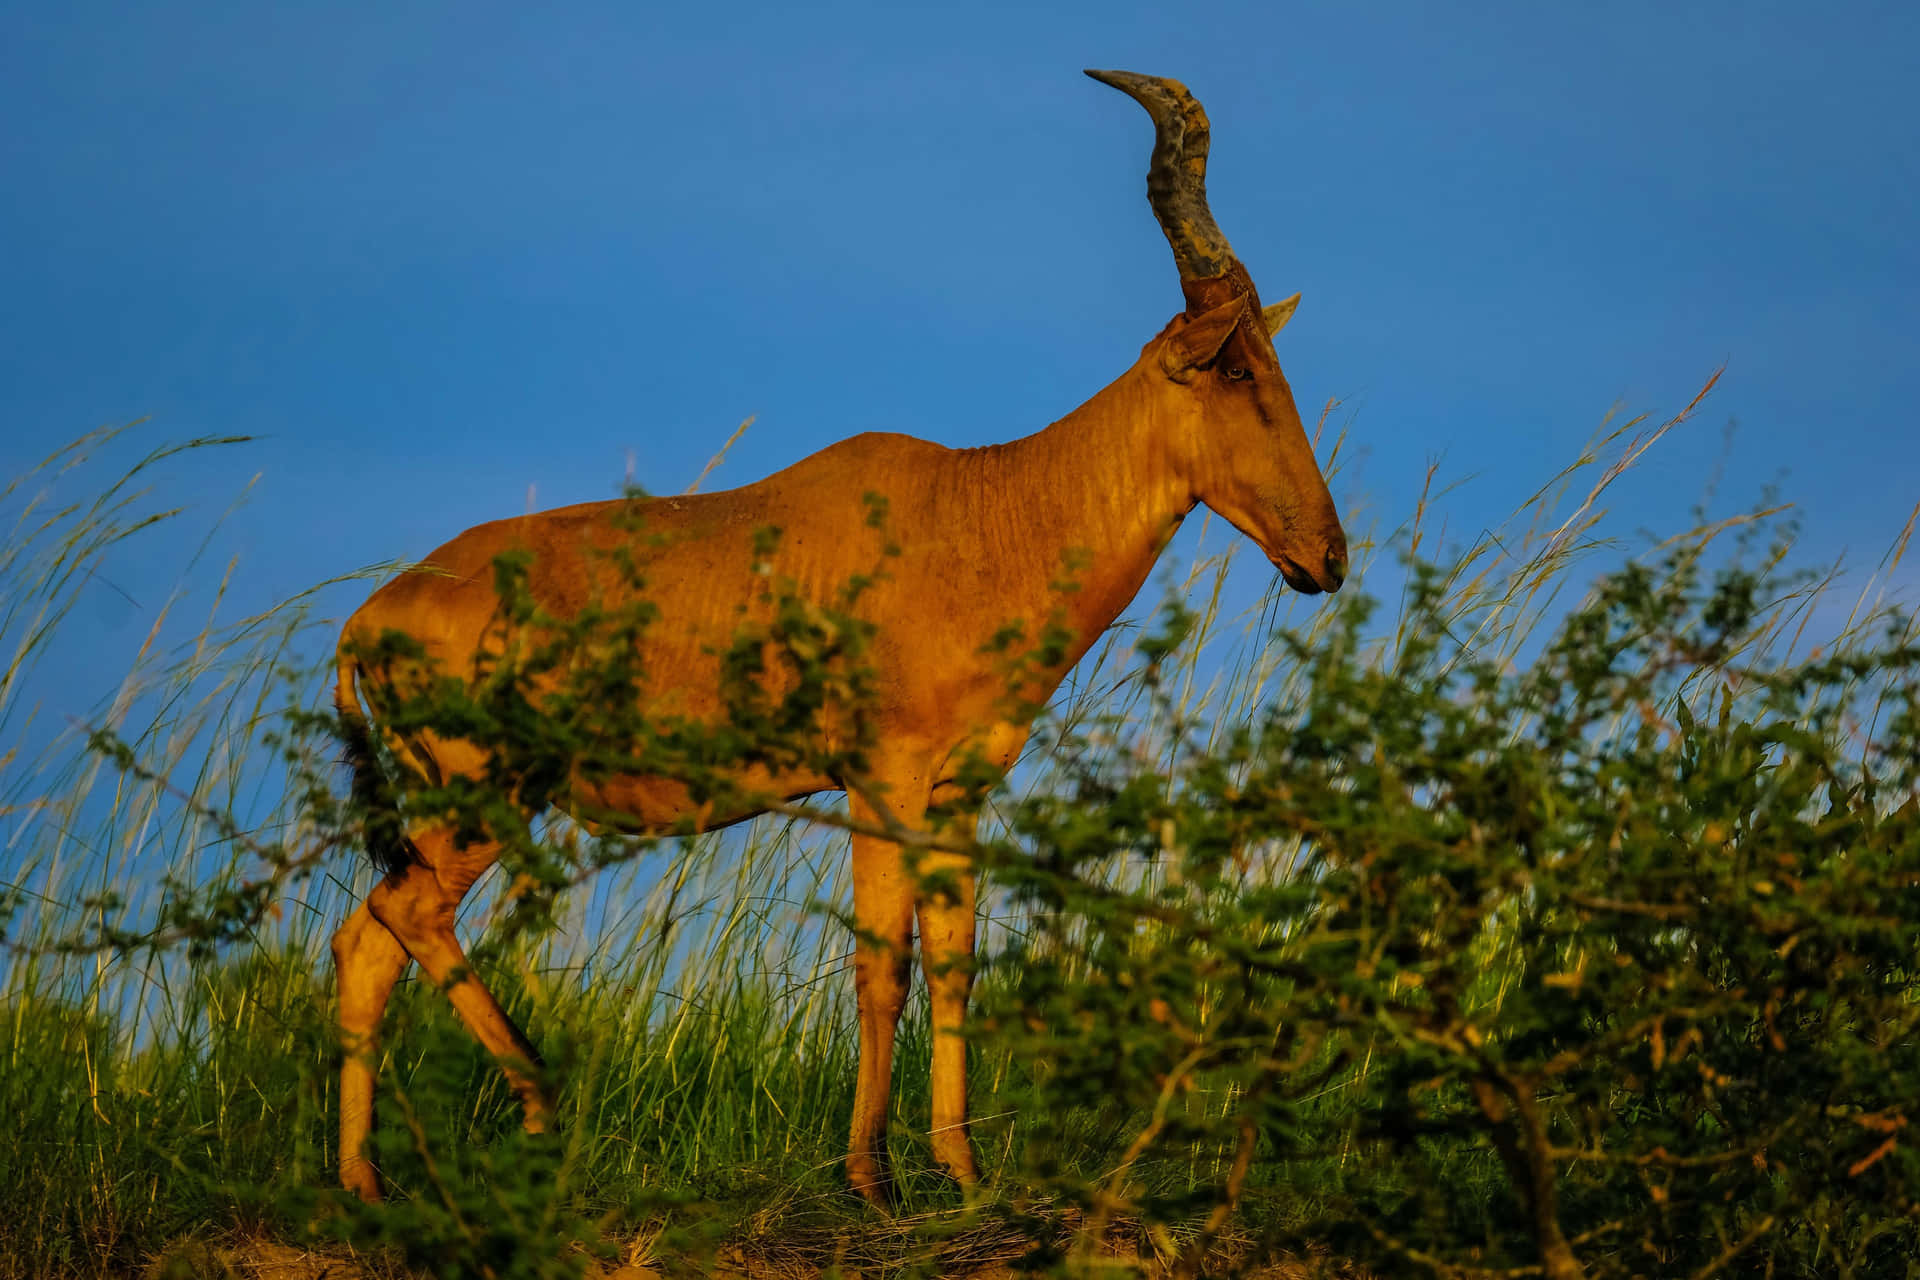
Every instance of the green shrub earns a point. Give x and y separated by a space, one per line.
1612 953
1481 940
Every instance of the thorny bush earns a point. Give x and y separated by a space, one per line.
1613 956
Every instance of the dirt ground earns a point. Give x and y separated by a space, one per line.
270 1260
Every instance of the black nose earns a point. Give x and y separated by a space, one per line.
1337 564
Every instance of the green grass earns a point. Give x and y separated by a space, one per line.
696 1004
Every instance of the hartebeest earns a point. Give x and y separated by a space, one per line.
1203 416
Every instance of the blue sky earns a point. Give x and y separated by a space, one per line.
440 256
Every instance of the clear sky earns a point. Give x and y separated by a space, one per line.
439 256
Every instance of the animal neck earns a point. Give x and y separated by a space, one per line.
1089 501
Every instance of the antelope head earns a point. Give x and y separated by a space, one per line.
1229 423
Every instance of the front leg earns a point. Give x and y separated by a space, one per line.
882 967
946 910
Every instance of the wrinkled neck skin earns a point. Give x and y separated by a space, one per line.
1110 483
1091 500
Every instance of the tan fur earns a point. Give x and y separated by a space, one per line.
984 535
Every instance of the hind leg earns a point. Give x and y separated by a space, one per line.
367 961
419 904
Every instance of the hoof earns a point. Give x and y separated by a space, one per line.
957 1163
872 1182
358 1177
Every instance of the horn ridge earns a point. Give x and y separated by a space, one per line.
1177 174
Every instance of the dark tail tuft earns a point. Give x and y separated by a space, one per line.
373 798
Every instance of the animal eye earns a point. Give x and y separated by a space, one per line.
1237 374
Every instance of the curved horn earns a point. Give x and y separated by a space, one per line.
1177 177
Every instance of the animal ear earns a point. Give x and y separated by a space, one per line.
1195 344
1277 315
